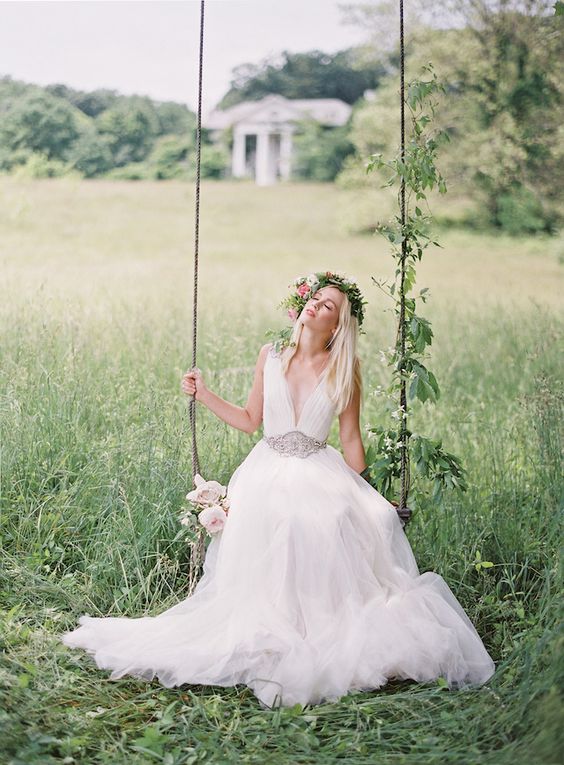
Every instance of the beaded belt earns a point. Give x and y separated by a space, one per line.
294 443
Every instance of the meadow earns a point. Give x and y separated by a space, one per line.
95 461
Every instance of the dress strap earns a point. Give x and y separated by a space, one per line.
273 352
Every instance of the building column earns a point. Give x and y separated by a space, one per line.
238 159
264 175
285 155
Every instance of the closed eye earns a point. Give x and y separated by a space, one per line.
326 304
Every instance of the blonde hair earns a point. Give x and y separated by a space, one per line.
343 370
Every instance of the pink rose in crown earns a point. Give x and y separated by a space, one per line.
303 289
206 492
293 314
212 518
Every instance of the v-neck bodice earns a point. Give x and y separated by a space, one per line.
320 381
278 408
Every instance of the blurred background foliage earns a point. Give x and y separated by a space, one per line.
501 63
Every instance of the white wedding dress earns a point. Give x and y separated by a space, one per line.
309 591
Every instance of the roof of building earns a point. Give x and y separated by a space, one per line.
278 109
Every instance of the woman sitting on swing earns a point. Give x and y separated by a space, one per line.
310 589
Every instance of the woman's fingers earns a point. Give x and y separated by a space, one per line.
188 383
191 380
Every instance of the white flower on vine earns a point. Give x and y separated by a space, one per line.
399 413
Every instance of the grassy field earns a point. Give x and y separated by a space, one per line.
95 332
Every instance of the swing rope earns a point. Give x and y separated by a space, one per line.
197 551
404 468
197 547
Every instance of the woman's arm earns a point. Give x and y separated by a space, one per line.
247 418
349 433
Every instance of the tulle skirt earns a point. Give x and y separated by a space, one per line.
310 590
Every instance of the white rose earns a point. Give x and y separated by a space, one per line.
206 492
212 518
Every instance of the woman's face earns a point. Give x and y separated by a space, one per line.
322 309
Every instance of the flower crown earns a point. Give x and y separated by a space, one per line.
304 287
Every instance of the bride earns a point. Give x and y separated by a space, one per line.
310 590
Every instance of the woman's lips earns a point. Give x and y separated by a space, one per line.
310 311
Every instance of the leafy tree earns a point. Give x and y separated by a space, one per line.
39 122
38 165
10 89
91 154
169 158
96 102
502 110
131 128
305 75
516 88
90 103
319 151
175 119
213 162
58 130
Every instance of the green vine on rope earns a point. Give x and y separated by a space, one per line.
409 236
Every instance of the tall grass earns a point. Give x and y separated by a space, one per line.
95 462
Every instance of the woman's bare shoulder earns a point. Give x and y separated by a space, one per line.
266 350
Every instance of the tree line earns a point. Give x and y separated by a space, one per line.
55 130
501 64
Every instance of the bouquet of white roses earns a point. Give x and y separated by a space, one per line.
209 499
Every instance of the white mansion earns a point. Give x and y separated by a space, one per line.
262 132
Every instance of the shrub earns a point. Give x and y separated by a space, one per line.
38 165
519 211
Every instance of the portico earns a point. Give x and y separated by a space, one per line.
263 133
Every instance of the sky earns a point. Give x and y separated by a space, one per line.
151 47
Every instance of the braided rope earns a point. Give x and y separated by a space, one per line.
197 548
403 398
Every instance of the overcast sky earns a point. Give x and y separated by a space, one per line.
150 47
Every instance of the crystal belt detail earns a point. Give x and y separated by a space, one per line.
294 443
